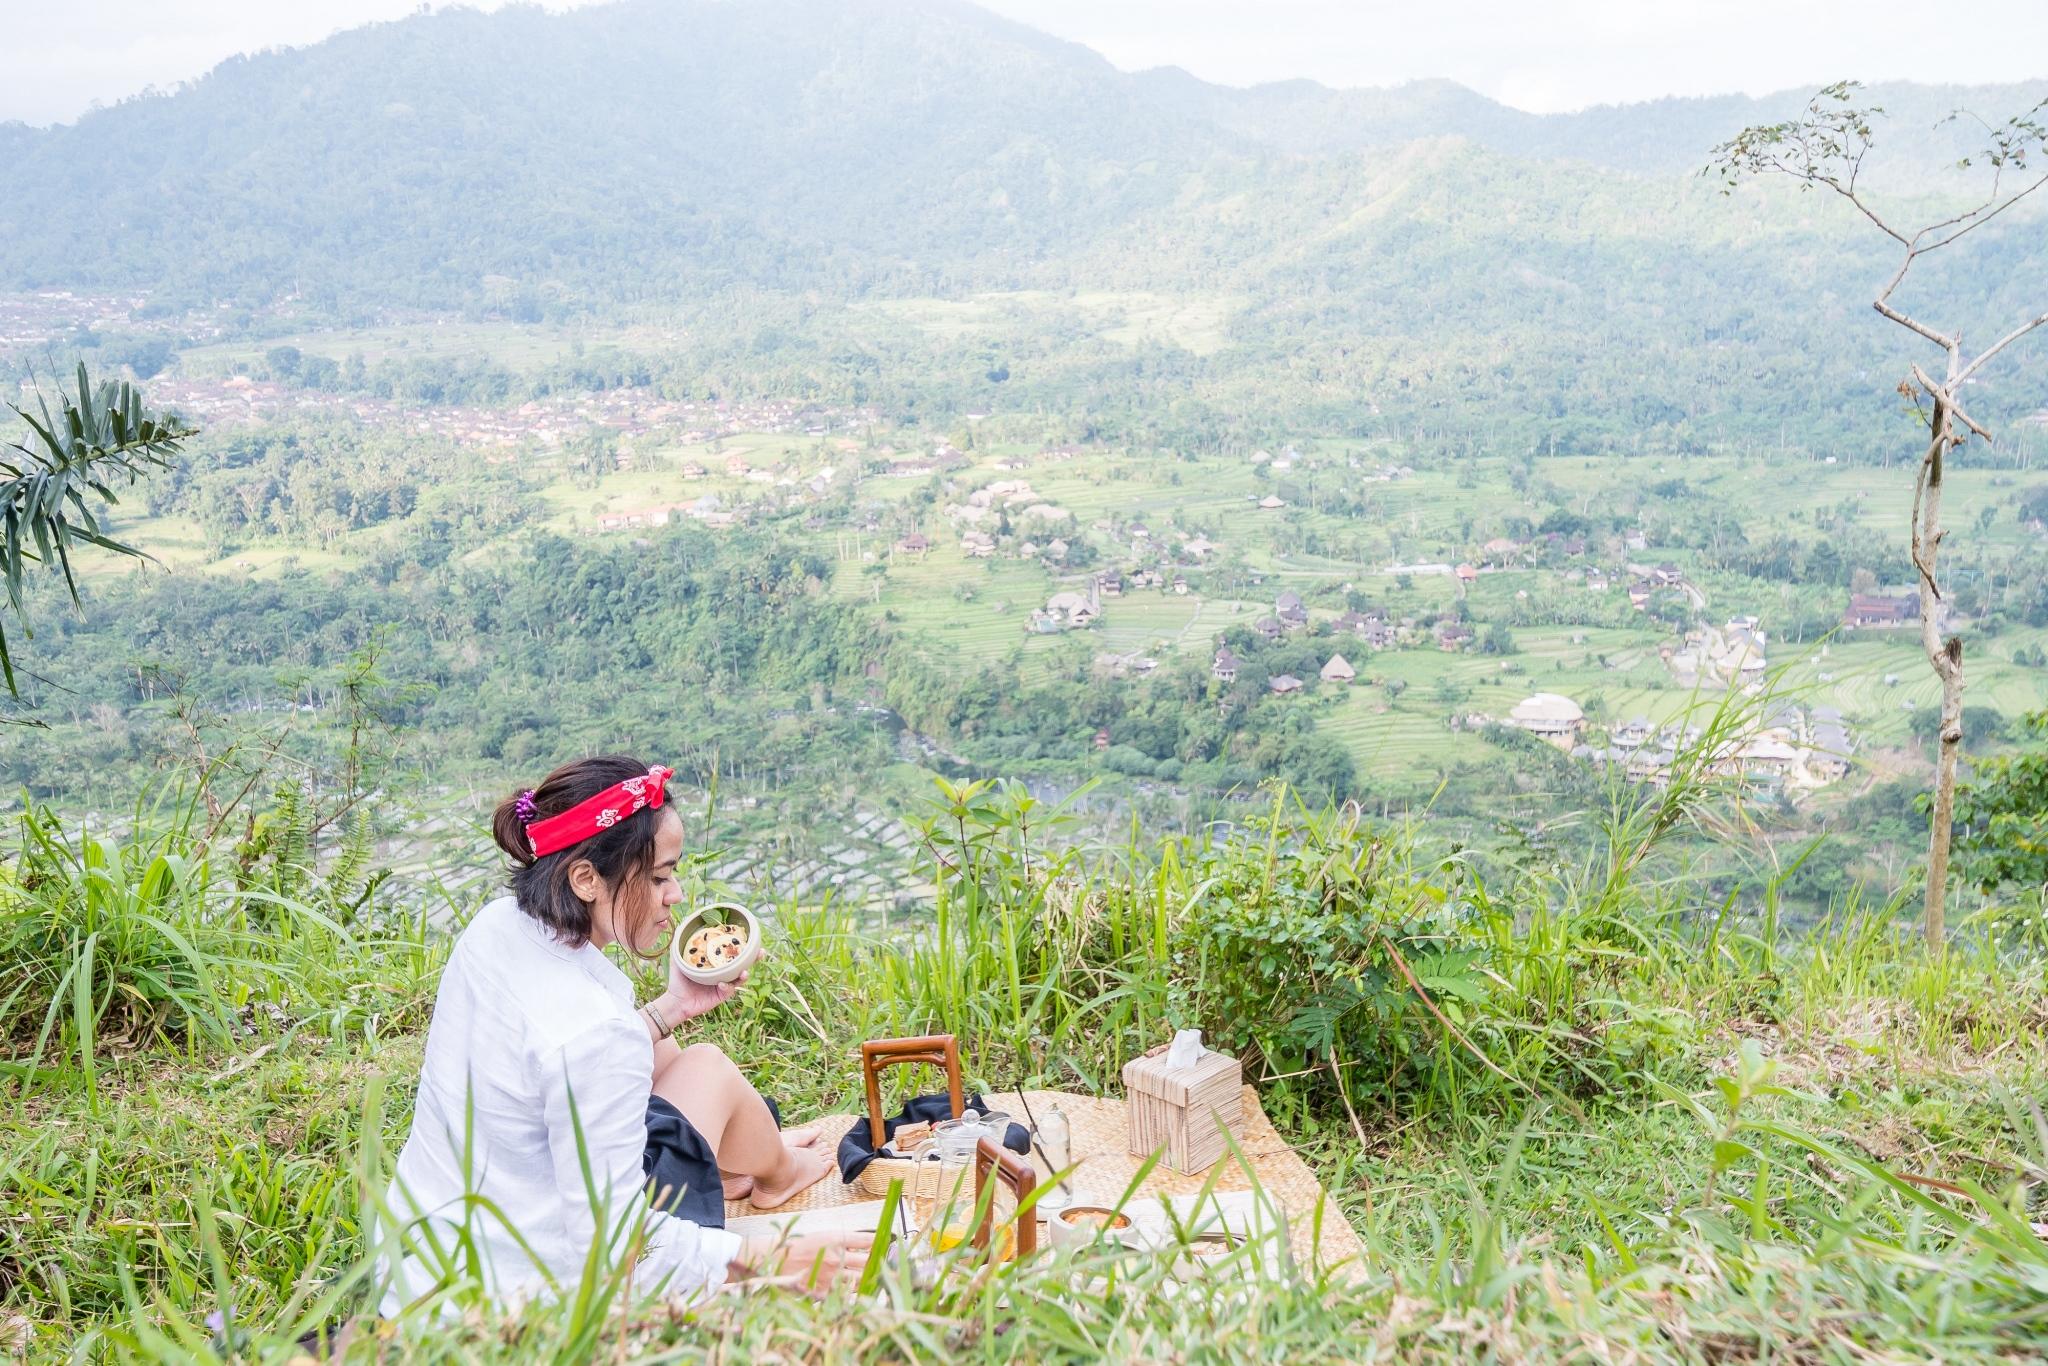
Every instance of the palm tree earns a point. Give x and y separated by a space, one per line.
96 435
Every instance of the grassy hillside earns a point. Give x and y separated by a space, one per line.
1618 1122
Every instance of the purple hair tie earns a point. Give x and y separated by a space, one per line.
524 808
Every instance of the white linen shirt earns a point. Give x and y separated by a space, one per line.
520 1019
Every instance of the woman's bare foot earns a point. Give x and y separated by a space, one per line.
802 1167
738 1187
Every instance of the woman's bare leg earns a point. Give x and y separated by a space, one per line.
703 1084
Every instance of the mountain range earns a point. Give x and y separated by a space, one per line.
653 152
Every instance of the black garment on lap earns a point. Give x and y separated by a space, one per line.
681 1166
857 1149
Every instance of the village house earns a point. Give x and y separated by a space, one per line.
1283 684
1002 492
1110 583
1452 634
1056 551
1077 608
1269 503
1882 611
916 543
1550 717
1639 594
1467 574
1125 665
1224 669
1768 755
1066 611
1290 609
1651 764
1631 734
1269 627
1667 575
1828 747
1045 516
1743 645
977 545
1338 670
1180 585
711 511
693 470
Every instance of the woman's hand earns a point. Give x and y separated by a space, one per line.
813 1263
691 999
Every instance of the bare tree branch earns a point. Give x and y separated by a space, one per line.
2007 340
1972 227
1944 342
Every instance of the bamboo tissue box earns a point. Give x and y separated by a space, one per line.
1185 1110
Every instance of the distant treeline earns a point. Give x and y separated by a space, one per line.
710 648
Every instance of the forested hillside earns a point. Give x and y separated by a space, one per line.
1419 254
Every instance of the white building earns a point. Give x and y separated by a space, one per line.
1549 716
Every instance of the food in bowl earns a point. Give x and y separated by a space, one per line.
714 946
1094 1217
1082 1225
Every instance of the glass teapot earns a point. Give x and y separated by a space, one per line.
946 1213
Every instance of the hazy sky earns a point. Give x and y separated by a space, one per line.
1541 55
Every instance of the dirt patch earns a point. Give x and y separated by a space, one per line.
1876 1043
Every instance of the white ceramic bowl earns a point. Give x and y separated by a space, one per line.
1080 1231
729 913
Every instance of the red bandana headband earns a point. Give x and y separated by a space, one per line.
594 815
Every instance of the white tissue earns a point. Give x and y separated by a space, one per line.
1186 1049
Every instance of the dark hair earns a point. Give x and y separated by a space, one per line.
622 855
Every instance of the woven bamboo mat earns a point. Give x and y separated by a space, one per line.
1105 1168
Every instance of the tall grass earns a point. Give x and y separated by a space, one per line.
151 938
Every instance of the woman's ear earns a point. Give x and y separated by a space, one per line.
585 881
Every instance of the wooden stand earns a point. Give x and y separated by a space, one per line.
1183 1111
991 1158
940 1050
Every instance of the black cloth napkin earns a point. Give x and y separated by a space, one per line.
857 1149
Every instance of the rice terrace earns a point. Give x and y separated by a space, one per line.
902 680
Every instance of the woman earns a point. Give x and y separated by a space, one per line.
546 1099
